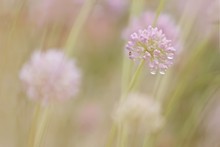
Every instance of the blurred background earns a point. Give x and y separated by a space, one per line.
189 91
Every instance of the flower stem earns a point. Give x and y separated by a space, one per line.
39 125
193 121
124 137
159 9
119 137
77 27
137 7
111 136
156 88
135 76
197 53
15 21
149 141
126 64
159 79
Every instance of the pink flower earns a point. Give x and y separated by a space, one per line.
50 76
152 46
164 23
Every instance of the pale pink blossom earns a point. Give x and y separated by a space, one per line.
151 45
50 76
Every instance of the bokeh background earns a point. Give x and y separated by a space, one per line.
189 91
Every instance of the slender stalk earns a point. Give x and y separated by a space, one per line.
119 133
135 10
137 7
38 128
135 76
159 79
13 27
150 140
125 62
178 91
77 27
124 137
125 74
135 133
14 24
111 136
191 124
159 9
138 70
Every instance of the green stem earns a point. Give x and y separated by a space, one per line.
159 79
77 27
119 133
135 76
15 22
191 124
126 68
137 7
198 52
38 128
111 136
125 74
150 140
124 137
157 85
126 64
159 9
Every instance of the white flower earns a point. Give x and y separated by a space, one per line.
141 110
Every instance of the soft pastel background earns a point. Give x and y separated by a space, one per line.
189 90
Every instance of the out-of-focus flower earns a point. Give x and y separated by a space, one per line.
43 12
141 110
107 27
90 117
106 15
164 23
50 76
152 46
117 6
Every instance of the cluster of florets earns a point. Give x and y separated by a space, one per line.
151 44
50 76
156 45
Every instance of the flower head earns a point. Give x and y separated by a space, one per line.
152 46
165 23
50 76
139 109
